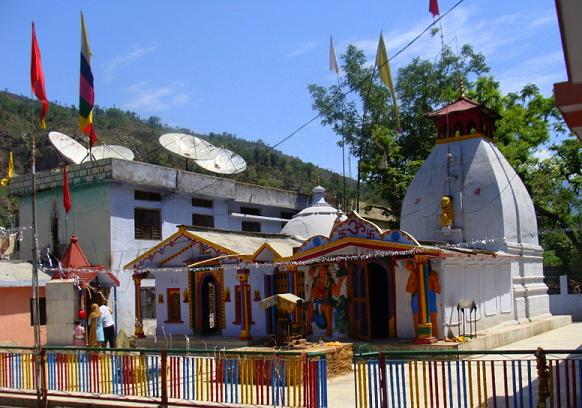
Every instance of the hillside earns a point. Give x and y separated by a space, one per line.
265 167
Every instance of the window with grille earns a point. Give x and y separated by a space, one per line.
147 195
202 220
147 224
251 226
250 211
200 202
148 303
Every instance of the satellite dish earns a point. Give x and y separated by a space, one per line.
225 162
188 146
111 151
68 147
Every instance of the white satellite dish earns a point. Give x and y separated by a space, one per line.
225 162
188 146
68 147
105 151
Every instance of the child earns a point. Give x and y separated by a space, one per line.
79 336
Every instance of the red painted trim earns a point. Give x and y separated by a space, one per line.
573 119
168 292
567 93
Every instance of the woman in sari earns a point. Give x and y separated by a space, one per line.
96 336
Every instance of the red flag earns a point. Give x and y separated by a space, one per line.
66 193
433 7
37 78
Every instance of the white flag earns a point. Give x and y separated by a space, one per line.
333 66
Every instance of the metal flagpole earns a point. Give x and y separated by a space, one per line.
35 260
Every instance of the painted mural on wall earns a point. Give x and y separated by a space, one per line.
326 297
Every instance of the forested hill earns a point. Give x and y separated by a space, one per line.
265 166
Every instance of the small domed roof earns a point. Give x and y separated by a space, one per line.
315 220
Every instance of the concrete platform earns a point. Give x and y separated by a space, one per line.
486 340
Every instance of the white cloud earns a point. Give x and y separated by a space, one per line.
302 49
111 66
155 99
541 70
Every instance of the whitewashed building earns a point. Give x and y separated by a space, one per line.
122 208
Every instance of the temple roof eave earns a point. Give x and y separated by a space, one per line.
358 243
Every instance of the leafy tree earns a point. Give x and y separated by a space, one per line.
358 110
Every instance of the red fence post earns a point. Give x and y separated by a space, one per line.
164 382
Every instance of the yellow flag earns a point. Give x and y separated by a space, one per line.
9 173
385 74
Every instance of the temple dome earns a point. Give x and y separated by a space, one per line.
490 204
318 219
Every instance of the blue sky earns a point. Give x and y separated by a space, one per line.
243 66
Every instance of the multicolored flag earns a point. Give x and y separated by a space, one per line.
66 194
433 7
385 74
87 93
333 66
9 173
37 78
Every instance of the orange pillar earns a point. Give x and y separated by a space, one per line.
424 326
138 319
242 275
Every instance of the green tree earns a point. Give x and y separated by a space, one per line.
358 110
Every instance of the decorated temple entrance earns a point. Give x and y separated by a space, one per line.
207 306
372 308
210 307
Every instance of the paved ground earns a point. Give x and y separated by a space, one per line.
341 389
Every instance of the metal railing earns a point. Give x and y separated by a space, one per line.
289 379
511 378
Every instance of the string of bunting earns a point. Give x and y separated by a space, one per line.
476 244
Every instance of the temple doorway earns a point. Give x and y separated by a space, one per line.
210 305
372 306
379 300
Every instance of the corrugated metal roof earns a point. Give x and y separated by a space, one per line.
19 274
246 243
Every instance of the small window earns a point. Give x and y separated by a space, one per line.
287 215
201 220
174 306
250 226
148 303
41 310
147 196
200 202
147 224
250 211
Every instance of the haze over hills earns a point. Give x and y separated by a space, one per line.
265 166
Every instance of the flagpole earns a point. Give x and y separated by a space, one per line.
35 258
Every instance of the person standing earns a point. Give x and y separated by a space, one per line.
108 326
95 327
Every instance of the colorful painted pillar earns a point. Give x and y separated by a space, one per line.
242 275
424 325
137 277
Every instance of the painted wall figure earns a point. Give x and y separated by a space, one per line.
412 288
326 294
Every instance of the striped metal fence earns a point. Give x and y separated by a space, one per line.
512 379
260 379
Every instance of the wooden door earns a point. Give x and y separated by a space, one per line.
359 305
